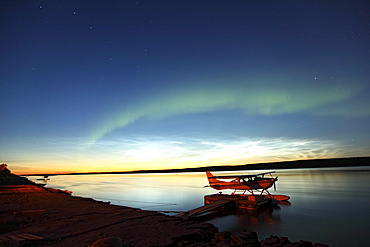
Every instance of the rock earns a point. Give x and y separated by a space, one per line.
271 241
225 243
292 245
303 243
245 238
276 241
219 236
200 245
108 242
320 245
284 240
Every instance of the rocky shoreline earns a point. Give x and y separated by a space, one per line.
59 219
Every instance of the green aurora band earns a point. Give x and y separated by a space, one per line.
265 100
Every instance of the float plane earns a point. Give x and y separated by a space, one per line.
251 183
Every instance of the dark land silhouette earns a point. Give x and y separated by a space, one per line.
297 164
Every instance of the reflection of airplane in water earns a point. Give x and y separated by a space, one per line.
267 215
254 184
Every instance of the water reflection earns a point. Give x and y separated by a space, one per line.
234 219
326 205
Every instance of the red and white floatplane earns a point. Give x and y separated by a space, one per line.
256 185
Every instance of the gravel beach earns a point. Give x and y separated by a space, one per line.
65 220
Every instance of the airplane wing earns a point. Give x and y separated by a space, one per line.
240 176
264 173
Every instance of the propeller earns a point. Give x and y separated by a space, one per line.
275 183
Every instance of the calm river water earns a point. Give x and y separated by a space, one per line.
329 206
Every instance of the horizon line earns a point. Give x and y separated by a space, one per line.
256 166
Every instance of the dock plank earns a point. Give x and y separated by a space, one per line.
15 238
3 238
208 207
29 236
21 237
33 236
203 209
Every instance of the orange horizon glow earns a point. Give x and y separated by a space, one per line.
107 170
98 169
153 153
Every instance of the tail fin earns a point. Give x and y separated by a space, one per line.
211 180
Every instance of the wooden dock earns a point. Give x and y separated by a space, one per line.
24 238
215 201
203 209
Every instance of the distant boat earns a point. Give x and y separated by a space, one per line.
44 180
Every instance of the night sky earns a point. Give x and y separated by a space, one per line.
130 85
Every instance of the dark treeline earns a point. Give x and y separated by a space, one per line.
316 163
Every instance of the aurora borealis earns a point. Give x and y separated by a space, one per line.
243 97
130 85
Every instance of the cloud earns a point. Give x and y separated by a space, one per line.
125 153
153 152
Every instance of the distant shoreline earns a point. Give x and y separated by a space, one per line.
296 164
